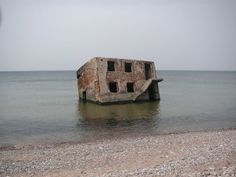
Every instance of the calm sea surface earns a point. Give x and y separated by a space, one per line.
42 107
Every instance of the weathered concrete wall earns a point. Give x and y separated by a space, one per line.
137 76
94 79
88 81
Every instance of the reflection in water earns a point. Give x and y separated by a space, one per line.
117 114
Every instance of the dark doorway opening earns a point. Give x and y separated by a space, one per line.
147 71
113 86
110 66
78 74
84 95
130 87
153 91
128 67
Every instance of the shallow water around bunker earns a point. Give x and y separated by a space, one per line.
42 107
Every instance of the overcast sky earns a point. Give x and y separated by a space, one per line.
63 34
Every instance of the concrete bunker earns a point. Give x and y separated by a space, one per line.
110 80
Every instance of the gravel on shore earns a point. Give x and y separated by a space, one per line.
197 154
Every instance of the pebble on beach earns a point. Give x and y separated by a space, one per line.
205 154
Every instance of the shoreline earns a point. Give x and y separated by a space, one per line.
209 153
7 147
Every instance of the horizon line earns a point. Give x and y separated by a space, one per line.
76 70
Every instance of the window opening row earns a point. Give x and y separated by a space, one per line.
114 88
111 66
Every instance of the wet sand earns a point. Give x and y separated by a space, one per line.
188 154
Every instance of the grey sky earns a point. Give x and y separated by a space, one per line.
63 34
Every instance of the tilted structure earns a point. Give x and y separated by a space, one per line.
110 80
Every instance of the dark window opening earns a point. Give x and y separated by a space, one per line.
130 87
110 66
147 71
128 67
113 86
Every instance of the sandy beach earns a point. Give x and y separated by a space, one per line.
188 154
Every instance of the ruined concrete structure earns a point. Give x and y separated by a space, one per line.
109 80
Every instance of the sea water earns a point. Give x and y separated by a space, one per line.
43 107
